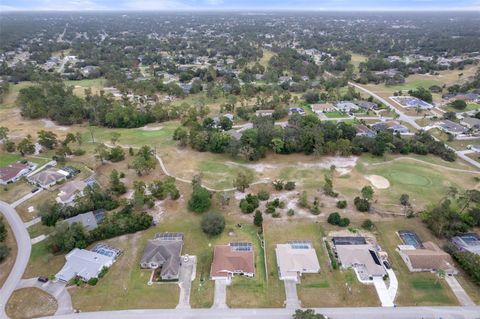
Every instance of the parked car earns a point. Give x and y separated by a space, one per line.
42 279
34 190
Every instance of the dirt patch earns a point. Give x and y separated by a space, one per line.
31 303
343 165
378 181
51 124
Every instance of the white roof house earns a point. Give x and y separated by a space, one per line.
296 258
70 191
84 264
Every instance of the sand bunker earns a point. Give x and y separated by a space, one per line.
151 128
378 181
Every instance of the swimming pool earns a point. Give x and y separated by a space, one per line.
410 238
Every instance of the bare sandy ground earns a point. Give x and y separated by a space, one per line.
379 182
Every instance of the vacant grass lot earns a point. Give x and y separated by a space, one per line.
30 303
414 288
335 114
42 262
470 107
328 288
7 159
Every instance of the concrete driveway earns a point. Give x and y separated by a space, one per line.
57 289
187 275
220 298
291 295
457 289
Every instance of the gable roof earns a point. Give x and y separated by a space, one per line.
227 260
48 176
431 257
12 170
83 263
88 220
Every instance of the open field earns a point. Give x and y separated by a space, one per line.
42 262
470 107
456 144
335 114
11 97
94 84
7 159
30 303
357 59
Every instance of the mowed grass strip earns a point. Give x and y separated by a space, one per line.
31 303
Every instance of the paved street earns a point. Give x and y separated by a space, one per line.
23 243
276 313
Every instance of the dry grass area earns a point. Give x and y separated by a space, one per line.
42 262
30 303
7 264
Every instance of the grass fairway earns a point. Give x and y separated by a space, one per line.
423 182
326 289
414 288
220 175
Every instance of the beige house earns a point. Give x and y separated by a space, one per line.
70 191
296 258
429 258
233 259
322 108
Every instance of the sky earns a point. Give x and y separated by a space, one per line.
207 5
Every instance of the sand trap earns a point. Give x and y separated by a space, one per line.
378 181
152 128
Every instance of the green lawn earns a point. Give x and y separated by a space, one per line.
334 115
219 175
42 262
470 107
7 158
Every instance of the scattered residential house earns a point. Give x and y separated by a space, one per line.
428 258
468 242
322 108
296 109
89 220
467 97
284 79
235 134
471 122
233 259
48 177
367 105
88 70
295 258
346 107
474 147
186 87
164 251
390 125
411 102
363 130
363 257
70 191
261 113
451 127
13 172
84 264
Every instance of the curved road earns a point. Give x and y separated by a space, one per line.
24 247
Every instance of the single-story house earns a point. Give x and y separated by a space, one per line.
363 257
367 105
363 130
347 107
467 242
296 109
451 127
428 258
48 177
89 220
471 123
70 191
322 108
261 113
84 264
13 172
390 125
468 97
474 147
295 258
164 251
233 259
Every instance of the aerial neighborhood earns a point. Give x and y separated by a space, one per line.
239 164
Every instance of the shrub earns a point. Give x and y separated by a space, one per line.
270 209
290 212
469 262
249 204
92 281
344 222
278 185
200 201
342 204
103 272
290 185
4 252
213 224
367 224
334 218
361 204
79 152
263 195
276 215
258 219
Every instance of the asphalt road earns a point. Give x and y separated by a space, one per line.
24 247
334 313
